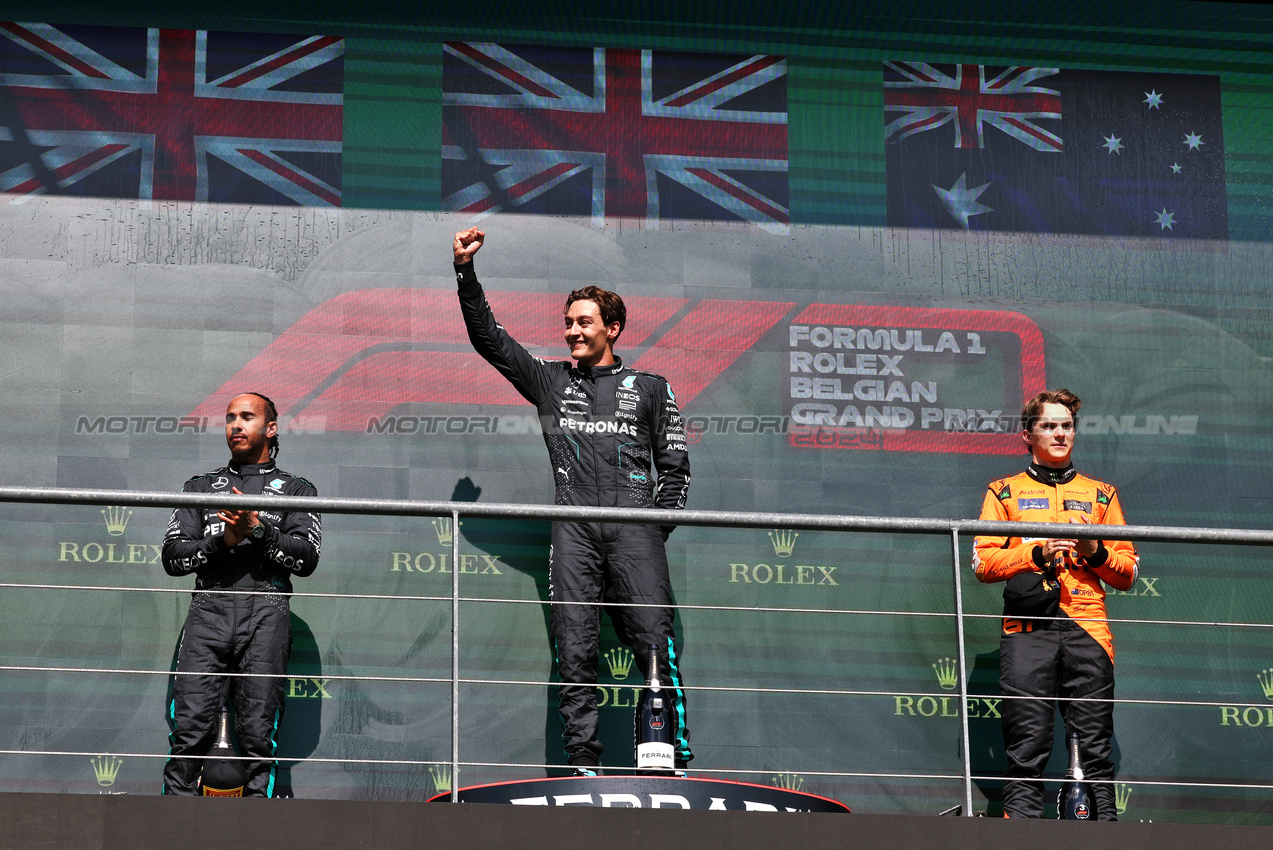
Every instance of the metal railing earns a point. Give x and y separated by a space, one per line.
955 529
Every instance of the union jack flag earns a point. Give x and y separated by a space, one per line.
186 115
971 98
611 133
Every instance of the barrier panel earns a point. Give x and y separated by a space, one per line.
451 689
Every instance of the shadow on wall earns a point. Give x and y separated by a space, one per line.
302 724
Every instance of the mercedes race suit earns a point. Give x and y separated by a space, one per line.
1070 658
615 438
235 633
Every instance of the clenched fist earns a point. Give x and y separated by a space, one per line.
467 243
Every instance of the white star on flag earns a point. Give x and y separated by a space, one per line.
961 201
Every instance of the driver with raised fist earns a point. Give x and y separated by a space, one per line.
615 438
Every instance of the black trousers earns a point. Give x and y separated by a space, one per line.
1062 664
626 564
229 634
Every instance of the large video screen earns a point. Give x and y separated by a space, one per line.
852 254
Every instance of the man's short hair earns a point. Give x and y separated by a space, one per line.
1033 408
609 303
271 415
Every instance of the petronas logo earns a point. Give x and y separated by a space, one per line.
789 781
947 673
442 527
784 541
1266 682
441 776
620 661
116 520
1122 793
106 768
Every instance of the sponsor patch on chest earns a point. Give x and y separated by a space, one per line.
603 427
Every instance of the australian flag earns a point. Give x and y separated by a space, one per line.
184 115
614 133
1052 150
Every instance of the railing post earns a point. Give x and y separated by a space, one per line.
963 671
455 656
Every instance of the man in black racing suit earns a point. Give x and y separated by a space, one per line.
249 632
609 430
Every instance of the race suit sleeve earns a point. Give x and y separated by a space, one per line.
1000 558
1116 562
186 548
529 375
669 452
297 542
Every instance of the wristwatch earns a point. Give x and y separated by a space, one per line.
259 532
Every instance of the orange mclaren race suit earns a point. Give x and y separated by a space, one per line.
1071 658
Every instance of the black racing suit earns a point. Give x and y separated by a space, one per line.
232 633
609 431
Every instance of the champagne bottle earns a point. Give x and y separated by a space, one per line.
222 776
1074 802
653 729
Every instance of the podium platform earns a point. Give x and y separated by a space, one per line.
35 821
645 791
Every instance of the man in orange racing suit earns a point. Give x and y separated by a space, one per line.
1070 658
